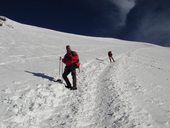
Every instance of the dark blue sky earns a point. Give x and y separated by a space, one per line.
140 20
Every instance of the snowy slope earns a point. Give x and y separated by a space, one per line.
133 92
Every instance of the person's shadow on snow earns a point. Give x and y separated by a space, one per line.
42 75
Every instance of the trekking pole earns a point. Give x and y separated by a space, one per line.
60 80
62 70
79 69
59 67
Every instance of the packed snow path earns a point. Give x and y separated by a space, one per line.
100 101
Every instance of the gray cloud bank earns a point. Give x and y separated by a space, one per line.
136 20
148 21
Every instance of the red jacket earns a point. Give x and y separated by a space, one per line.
71 58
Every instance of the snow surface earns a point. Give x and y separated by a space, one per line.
133 92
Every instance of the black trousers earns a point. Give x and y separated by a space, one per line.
70 69
111 59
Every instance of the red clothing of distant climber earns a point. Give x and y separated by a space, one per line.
111 56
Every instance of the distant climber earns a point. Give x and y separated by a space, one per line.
110 55
71 60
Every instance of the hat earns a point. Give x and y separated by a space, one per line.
67 46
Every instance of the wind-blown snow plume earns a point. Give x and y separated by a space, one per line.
124 7
148 21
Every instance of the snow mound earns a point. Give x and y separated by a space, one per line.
4 22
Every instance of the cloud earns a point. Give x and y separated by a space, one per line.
148 21
124 7
138 20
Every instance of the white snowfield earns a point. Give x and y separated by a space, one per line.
133 92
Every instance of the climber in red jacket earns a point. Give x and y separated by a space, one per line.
71 60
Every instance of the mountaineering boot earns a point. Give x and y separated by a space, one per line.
69 87
74 88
